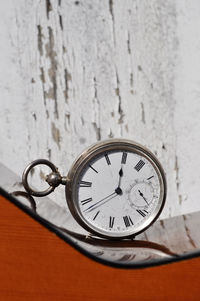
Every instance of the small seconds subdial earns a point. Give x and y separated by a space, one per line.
141 194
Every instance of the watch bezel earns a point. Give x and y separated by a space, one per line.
93 151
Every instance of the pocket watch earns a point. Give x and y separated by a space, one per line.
115 189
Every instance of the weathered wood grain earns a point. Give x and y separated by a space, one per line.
74 72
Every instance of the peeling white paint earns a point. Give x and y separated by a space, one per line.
74 72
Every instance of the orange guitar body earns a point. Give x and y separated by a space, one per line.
37 265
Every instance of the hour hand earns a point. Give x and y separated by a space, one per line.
121 172
120 176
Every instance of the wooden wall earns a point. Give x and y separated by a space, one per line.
74 72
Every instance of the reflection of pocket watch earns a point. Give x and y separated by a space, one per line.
115 189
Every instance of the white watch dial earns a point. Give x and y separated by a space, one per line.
118 193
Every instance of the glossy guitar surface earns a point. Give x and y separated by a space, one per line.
37 265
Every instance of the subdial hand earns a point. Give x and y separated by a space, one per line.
97 204
141 194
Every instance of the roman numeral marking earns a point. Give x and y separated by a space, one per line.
139 165
96 215
142 212
124 156
107 159
111 221
150 178
86 201
85 184
93 168
127 221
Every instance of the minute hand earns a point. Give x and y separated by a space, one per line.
101 201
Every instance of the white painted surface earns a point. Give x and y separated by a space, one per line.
74 72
